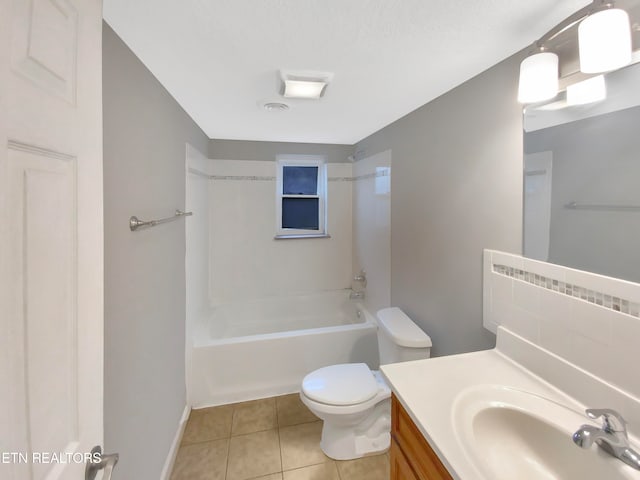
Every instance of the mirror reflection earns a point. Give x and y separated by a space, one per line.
582 179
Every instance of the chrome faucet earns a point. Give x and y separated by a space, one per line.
361 277
357 291
611 437
356 295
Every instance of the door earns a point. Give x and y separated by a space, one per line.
51 282
537 204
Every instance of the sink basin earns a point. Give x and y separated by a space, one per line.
510 434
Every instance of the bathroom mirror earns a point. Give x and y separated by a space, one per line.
582 180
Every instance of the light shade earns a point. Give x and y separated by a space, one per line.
303 89
588 91
604 41
538 78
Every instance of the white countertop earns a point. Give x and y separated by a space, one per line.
428 388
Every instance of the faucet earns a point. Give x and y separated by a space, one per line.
357 291
361 277
611 437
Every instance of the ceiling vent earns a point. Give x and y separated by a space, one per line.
275 107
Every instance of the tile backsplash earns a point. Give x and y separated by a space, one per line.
576 291
589 320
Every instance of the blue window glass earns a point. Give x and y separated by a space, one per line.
300 213
300 180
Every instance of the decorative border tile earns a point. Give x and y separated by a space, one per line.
599 298
257 178
250 178
384 172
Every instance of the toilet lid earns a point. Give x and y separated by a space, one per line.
345 384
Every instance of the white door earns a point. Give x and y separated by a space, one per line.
538 169
51 254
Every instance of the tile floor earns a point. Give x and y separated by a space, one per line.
270 439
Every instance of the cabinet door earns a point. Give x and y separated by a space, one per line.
400 468
417 452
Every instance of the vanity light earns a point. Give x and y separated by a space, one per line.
538 78
588 91
604 39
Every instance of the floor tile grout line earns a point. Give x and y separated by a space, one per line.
199 442
277 414
254 431
338 470
331 460
279 439
280 449
251 433
226 467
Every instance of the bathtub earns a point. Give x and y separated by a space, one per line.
262 348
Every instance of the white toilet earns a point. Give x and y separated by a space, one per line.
355 402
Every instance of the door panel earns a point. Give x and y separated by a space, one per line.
44 44
44 311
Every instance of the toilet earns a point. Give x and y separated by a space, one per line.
353 401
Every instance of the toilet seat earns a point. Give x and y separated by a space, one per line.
341 385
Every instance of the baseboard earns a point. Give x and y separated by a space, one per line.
173 451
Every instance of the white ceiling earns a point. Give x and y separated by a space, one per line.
220 58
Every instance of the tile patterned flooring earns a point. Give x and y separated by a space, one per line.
270 439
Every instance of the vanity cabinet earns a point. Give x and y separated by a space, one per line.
411 456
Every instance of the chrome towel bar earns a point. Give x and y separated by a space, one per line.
135 223
595 206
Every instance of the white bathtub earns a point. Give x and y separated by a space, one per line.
263 348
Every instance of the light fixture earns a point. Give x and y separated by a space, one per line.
303 89
306 85
591 90
538 78
604 39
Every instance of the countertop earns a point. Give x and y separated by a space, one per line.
428 388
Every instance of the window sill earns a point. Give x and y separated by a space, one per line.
302 235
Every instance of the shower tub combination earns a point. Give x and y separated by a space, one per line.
263 348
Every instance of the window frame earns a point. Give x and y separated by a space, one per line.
321 194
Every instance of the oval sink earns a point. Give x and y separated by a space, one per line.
509 434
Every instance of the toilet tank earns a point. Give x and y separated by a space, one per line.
399 339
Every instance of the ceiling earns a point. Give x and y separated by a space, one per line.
220 58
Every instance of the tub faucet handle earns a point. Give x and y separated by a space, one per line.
361 277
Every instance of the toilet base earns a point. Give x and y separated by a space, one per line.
370 437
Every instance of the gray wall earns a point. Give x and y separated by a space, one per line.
457 188
251 150
145 132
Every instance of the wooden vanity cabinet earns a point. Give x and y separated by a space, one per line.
411 456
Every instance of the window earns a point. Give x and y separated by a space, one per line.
301 196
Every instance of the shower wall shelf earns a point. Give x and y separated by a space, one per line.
135 223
